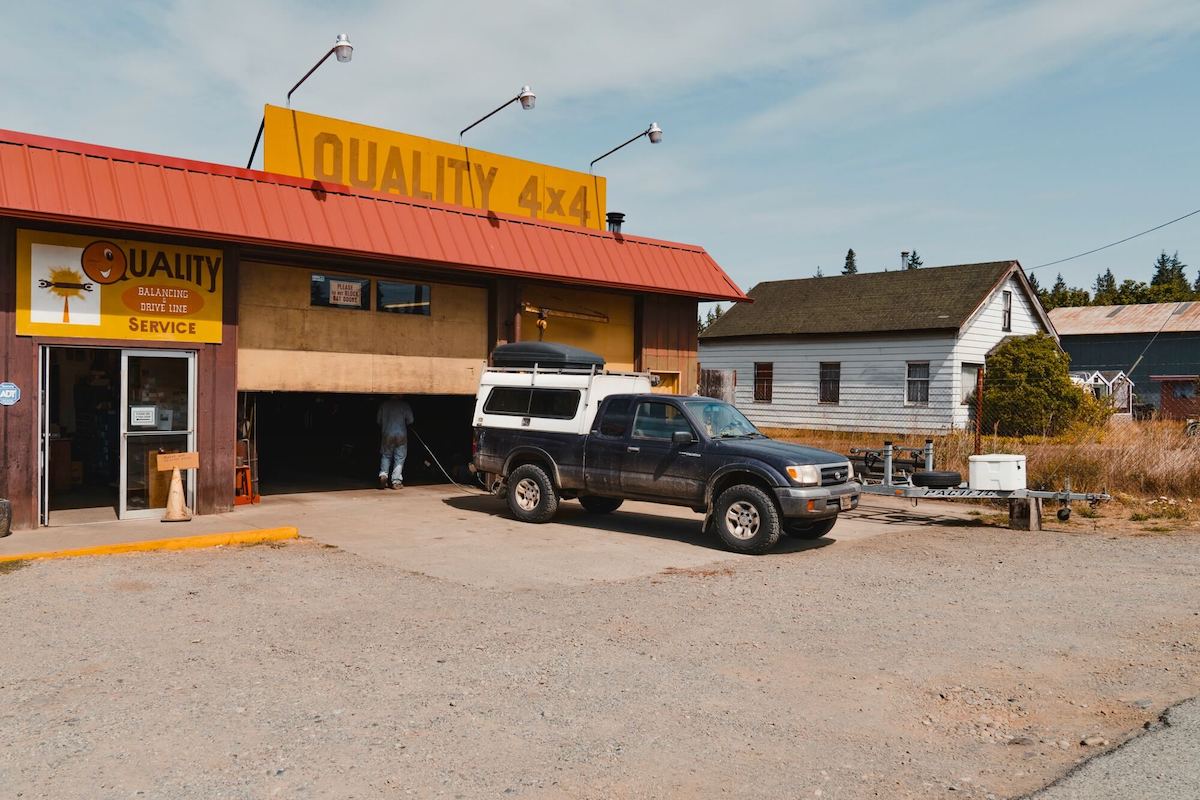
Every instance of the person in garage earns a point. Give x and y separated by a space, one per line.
394 417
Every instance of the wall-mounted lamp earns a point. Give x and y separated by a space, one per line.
526 97
653 133
344 52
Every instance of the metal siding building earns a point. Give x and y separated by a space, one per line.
1166 336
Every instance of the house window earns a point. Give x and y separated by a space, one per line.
340 291
402 298
830 390
1007 311
970 379
1183 391
764 379
918 383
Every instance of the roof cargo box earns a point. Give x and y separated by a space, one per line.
545 355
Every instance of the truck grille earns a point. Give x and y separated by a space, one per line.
832 476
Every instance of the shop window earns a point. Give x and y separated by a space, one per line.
340 291
402 298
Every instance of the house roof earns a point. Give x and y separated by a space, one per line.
928 299
53 179
1143 318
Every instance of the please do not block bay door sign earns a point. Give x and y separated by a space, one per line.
97 288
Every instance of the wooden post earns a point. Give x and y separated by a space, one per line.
1025 514
979 411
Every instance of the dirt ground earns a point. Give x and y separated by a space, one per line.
940 661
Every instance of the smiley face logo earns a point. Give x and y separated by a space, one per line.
103 262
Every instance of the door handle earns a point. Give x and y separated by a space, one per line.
689 455
633 449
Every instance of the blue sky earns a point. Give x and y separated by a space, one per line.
972 131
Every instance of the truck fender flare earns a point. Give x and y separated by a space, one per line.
766 474
527 454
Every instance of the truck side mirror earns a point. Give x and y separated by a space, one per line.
682 437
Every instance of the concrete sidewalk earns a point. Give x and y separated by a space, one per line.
469 538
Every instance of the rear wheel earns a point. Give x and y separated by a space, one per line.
810 530
531 494
600 505
746 519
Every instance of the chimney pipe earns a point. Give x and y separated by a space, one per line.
903 259
615 219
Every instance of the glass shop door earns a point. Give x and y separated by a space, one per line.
158 402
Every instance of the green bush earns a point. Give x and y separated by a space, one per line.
1028 390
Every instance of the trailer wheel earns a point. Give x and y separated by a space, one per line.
746 519
594 504
936 479
531 494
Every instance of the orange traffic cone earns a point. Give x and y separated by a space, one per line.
177 511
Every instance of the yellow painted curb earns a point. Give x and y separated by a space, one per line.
177 543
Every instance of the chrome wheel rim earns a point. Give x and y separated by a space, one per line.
742 520
528 494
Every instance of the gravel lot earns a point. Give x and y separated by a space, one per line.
941 662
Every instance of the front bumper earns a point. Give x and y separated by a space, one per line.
815 502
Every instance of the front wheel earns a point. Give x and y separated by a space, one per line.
531 494
810 530
594 504
746 519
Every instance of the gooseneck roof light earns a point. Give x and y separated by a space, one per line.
653 133
525 96
344 52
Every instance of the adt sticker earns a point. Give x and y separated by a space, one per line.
10 393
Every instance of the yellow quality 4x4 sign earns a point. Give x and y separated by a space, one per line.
97 288
364 157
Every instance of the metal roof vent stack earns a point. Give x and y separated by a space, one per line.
615 220
903 259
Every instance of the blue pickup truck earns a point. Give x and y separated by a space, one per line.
561 428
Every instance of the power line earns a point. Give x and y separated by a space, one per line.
1114 244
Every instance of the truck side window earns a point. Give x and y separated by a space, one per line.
615 422
658 421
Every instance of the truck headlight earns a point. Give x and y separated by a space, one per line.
807 475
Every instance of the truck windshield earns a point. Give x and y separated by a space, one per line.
721 420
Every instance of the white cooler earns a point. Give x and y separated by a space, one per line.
997 471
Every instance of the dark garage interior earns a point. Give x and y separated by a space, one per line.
316 441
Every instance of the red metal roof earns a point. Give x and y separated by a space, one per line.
44 178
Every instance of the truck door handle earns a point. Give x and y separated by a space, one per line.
689 454
633 449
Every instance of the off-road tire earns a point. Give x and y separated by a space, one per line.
937 479
763 527
810 530
594 504
524 502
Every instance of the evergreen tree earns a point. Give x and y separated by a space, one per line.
1196 285
1132 292
1105 289
914 261
851 267
1168 270
1062 295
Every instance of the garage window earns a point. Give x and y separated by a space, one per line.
545 403
402 298
340 291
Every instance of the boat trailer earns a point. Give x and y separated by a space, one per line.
1024 504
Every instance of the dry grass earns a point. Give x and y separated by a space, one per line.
1136 462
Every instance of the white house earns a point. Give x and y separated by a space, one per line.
1112 383
893 352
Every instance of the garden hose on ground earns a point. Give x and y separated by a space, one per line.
468 490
